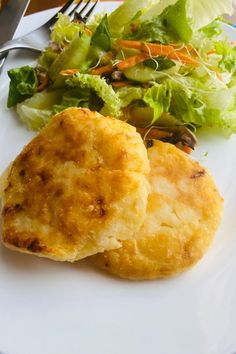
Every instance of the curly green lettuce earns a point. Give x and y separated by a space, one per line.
23 84
158 97
112 103
64 30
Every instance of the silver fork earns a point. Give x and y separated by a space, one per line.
38 39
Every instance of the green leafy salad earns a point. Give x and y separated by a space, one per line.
153 63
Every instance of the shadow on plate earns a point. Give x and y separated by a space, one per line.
26 263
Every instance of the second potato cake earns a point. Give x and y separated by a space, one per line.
77 188
183 213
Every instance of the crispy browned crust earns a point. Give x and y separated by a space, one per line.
76 189
183 213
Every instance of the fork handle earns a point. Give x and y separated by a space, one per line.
16 44
2 61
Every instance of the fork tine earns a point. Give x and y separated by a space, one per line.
62 10
85 6
89 13
78 15
75 8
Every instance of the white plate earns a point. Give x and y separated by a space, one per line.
58 308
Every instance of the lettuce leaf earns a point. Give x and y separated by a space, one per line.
73 98
152 31
64 30
23 84
95 21
73 56
33 118
47 58
36 111
170 26
156 10
130 94
125 13
228 61
203 12
176 19
82 90
199 13
194 104
62 34
158 97
101 37
112 103
212 29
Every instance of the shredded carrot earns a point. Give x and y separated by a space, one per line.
219 76
178 47
129 44
69 72
187 149
108 56
175 45
186 59
118 84
193 50
131 61
88 31
103 70
169 52
156 49
188 49
213 51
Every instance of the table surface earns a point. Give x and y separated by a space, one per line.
36 5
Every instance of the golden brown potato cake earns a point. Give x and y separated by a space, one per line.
183 213
76 189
